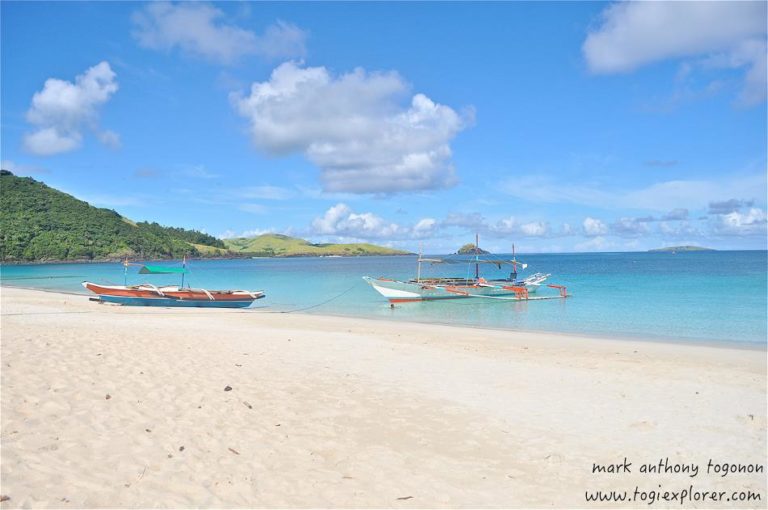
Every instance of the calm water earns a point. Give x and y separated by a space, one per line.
687 296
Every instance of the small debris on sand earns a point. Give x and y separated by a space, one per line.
234 451
404 498
246 404
181 448
3 497
108 396
228 388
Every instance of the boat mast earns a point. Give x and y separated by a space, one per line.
418 268
184 266
477 256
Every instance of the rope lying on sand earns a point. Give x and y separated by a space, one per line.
313 306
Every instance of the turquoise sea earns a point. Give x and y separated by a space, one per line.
709 296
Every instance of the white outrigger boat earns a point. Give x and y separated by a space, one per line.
427 289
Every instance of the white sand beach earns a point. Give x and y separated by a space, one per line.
107 406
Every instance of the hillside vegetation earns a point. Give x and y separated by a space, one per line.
469 248
278 245
39 223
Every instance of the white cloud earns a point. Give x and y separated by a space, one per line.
424 228
341 220
594 227
736 223
511 225
231 234
198 29
62 109
633 34
354 127
282 40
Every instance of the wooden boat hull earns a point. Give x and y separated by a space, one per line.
172 302
149 295
405 292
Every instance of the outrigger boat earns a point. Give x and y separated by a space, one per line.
147 294
427 289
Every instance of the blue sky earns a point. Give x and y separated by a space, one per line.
556 126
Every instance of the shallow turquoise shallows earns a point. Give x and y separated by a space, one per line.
718 296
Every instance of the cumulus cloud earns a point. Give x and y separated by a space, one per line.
511 225
354 127
341 220
594 227
199 29
63 109
728 34
751 222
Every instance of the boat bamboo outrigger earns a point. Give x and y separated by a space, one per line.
146 294
427 289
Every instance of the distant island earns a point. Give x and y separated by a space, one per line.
470 248
675 249
42 224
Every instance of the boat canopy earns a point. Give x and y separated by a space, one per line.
162 270
496 262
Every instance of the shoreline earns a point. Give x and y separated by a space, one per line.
232 257
613 337
133 407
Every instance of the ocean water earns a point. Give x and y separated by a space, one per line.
694 296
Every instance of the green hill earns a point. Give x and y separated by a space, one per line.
277 245
469 248
680 248
39 223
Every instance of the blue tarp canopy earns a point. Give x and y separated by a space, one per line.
162 270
